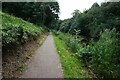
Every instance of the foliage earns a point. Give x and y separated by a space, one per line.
104 55
45 13
16 30
101 26
72 67
94 20
71 41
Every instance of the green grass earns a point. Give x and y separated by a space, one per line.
72 67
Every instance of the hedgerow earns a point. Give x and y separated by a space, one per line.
102 56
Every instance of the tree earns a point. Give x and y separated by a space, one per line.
94 20
40 13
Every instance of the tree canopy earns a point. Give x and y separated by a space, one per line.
43 13
94 20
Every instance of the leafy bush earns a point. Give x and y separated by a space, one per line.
16 30
104 55
84 53
71 42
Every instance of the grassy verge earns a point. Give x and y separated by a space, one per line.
72 67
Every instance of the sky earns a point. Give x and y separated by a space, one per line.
67 7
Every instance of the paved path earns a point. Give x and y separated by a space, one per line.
45 63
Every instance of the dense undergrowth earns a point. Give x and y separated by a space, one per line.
99 26
72 67
16 30
94 36
101 56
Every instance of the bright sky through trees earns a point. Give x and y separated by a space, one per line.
68 6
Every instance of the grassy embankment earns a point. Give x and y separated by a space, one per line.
20 39
100 58
72 67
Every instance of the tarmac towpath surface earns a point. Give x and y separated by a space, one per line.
45 63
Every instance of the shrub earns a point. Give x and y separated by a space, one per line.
84 54
104 55
71 41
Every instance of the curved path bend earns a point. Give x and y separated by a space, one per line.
45 63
